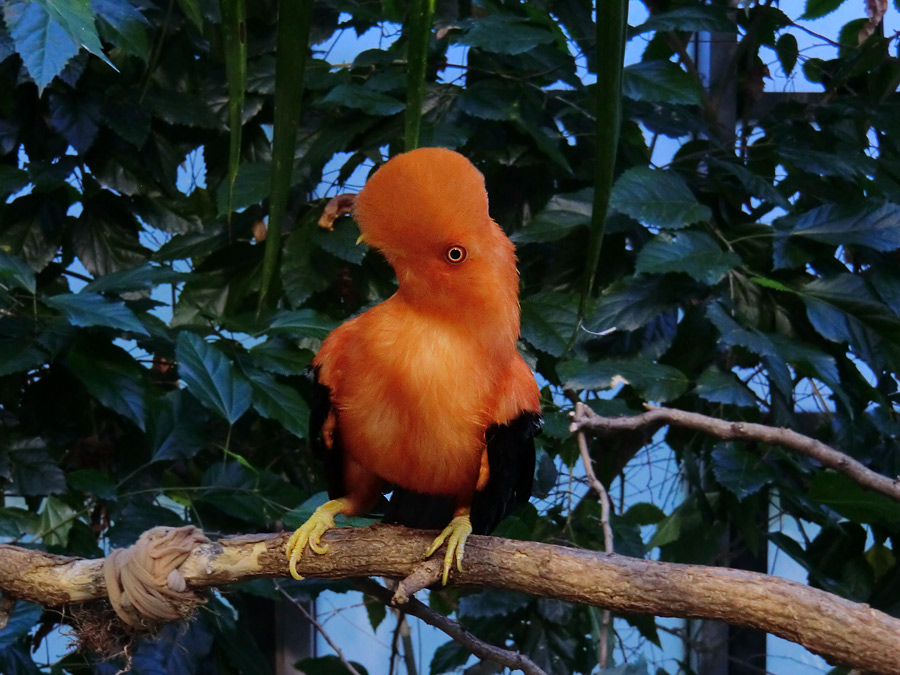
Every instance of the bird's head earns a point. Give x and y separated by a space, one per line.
427 212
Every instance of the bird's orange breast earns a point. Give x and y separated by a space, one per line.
413 397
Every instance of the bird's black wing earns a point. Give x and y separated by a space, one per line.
510 449
511 457
332 458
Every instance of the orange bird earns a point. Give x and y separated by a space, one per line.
425 394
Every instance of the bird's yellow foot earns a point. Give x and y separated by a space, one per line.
455 534
311 533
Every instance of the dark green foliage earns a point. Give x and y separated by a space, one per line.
144 380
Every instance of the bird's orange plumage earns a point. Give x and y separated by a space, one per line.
416 381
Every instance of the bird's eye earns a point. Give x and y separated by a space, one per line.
456 254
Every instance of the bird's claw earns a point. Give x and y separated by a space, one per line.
311 533
455 534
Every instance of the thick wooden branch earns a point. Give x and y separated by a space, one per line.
843 632
586 419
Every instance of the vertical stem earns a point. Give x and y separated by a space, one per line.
420 16
612 21
294 19
234 31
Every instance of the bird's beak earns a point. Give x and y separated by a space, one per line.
361 239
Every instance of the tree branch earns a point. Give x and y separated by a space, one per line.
843 632
587 419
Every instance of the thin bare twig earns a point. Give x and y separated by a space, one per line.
309 617
599 488
586 419
481 649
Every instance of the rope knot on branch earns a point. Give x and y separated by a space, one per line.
144 583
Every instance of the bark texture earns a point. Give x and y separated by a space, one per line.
844 632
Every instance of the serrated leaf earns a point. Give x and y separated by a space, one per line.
692 252
563 214
280 357
549 320
141 278
126 23
211 377
449 657
742 472
341 241
849 499
327 665
643 513
368 100
106 236
755 185
17 356
689 19
173 427
16 272
657 198
376 610
77 19
76 116
32 470
655 381
44 45
725 388
631 305
873 224
660 82
815 9
788 50
279 402
111 376
491 99
300 323
504 34
251 186
91 309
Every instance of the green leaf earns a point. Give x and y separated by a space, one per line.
294 23
57 520
211 377
278 356
20 623
341 241
449 657
660 82
32 470
251 186
631 305
174 427
300 323
689 19
91 309
92 482
141 278
17 356
77 19
657 198
234 42
279 402
376 610
873 224
106 235
654 381
742 472
643 513
76 116
549 320
849 499
191 9
754 184
563 214
359 97
788 50
490 99
504 34
816 9
43 44
127 26
725 388
692 252
327 665
16 272
111 376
